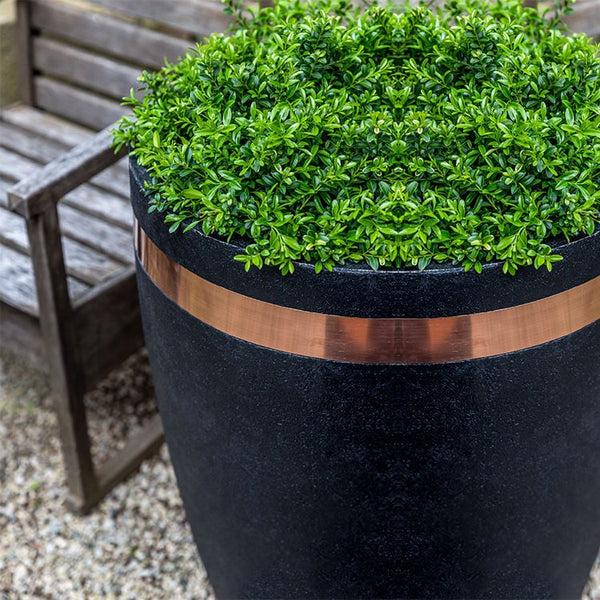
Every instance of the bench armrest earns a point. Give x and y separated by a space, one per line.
44 188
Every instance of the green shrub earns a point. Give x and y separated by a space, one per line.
315 132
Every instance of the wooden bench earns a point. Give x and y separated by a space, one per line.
68 297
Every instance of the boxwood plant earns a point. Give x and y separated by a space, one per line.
400 137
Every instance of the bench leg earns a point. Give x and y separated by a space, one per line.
68 386
75 442
87 486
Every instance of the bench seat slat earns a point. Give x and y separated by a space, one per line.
87 229
81 262
46 125
99 202
94 202
87 198
97 234
17 283
44 129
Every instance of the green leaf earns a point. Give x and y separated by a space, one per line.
396 137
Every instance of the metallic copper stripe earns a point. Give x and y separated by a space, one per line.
371 340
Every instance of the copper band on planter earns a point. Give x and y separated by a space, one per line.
371 340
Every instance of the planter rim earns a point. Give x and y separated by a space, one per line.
356 291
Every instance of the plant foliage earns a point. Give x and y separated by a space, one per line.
321 133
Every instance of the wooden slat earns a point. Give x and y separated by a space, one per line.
126 41
89 199
76 105
20 335
82 263
30 144
198 17
24 51
114 179
96 234
4 185
101 203
12 231
17 284
106 207
87 229
585 18
14 167
44 124
46 186
90 71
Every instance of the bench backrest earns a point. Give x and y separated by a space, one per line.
78 59
585 17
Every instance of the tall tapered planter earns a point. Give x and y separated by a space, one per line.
391 434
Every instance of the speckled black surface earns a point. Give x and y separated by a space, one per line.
305 478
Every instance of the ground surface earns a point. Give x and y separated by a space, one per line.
136 545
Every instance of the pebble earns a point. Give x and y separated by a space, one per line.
135 545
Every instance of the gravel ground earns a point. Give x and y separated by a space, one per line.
137 545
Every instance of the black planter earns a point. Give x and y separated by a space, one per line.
308 477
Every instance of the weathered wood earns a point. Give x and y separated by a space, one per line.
197 17
34 146
44 124
111 209
585 18
61 348
13 166
43 189
18 283
46 137
24 66
82 57
21 336
98 203
77 105
84 69
89 200
86 198
82 263
108 317
13 232
96 233
126 41
4 185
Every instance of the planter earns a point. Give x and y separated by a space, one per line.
390 449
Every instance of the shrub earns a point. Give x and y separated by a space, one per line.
398 137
